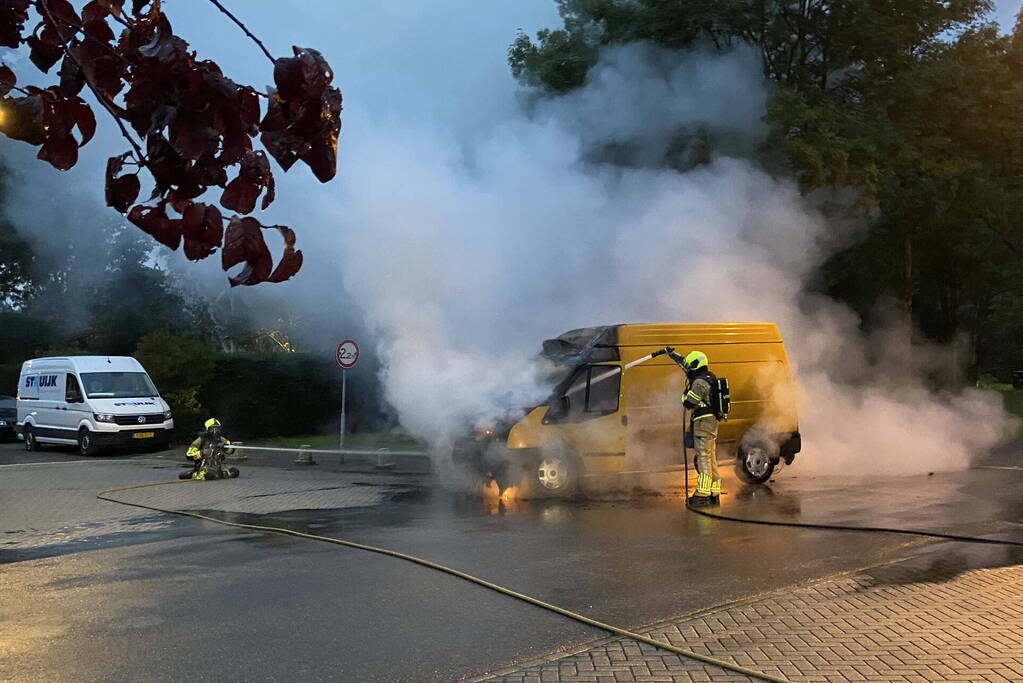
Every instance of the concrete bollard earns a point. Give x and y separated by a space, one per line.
381 463
304 456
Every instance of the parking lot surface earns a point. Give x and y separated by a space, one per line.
97 591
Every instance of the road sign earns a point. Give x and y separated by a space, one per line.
347 354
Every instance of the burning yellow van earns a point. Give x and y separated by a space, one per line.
606 416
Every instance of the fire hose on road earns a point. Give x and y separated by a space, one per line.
615 630
609 628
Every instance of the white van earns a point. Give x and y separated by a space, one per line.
91 401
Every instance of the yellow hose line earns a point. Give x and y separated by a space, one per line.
102 495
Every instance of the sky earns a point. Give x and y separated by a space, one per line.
1005 13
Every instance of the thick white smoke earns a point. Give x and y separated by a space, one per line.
465 253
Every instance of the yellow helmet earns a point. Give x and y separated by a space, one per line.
695 360
212 422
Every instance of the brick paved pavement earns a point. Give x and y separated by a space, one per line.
891 624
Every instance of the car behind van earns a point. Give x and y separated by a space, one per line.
8 416
603 419
92 402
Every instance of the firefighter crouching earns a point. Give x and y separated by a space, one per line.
698 398
206 454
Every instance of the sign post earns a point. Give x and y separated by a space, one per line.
347 355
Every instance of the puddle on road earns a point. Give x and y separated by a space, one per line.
32 544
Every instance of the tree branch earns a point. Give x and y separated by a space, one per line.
244 28
95 91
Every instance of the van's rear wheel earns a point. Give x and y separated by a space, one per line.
557 473
755 463
30 438
86 443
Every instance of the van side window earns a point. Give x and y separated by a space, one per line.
605 385
593 392
72 394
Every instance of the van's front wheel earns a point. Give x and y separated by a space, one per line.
86 443
755 463
556 473
30 438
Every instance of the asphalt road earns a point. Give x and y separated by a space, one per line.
180 598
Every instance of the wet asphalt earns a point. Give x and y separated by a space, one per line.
201 601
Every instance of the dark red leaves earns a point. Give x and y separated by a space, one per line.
203 229
7 80
72 80
193 123
44 50
23 119
105 71
65 113
61 16
112 6
121 191
242 192
200 225
303 118
291 261
244 244
59 24
13 15
154 221
47 118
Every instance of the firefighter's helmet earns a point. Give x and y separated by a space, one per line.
695 360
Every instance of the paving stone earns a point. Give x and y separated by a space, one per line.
847 629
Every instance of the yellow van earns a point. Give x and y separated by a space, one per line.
601 419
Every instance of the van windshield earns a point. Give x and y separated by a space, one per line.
118 385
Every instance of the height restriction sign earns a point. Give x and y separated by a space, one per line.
347 354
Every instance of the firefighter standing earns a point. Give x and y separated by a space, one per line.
697 398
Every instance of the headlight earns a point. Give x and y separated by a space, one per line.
166 415
103 417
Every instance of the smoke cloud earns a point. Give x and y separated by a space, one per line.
465 253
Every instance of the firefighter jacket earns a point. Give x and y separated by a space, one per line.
699 395
194 451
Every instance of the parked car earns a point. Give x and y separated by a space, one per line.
8 416
91 402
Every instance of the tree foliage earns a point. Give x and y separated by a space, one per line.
188 126
916 105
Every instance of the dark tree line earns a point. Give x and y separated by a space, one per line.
914 105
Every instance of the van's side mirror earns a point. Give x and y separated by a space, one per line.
557 410
74 398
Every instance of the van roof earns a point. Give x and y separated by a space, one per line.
657 334
88 363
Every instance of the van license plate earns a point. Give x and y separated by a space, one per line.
143 435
